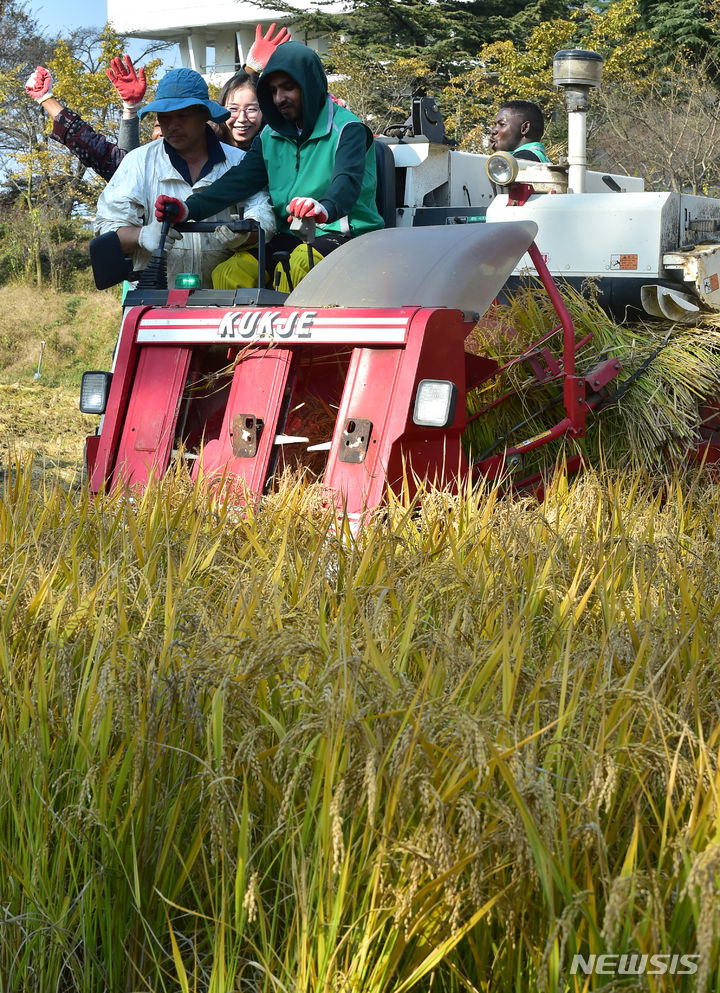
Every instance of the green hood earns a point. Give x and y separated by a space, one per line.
305 67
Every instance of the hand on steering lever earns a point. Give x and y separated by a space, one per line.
264 45
149 237
131 85
39 85
170 209
307 207
231 239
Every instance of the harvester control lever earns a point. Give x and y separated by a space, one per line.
304 228
110 266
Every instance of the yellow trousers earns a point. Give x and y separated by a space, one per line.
299 268
239 271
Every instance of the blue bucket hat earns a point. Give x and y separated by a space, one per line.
182 88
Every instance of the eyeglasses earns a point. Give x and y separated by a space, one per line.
250 112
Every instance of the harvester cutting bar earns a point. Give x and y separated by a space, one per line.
359 375
371 362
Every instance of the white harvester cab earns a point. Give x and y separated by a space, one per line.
650 252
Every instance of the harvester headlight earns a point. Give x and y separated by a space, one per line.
502 168
94 390
435 403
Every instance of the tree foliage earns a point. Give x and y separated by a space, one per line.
442 33
665 128
682 27
43 184
21 39
507 71
376 89
37 168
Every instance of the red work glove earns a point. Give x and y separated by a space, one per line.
39 85
130 85
338 100
170 209
307 207
264 45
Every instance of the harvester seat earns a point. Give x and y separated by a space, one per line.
385 196
459 266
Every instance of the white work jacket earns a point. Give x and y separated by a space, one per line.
129 199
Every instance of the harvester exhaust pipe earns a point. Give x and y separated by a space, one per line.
577 71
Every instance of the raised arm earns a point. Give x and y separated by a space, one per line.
263 47
131 86
85 143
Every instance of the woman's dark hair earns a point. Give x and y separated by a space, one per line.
240 78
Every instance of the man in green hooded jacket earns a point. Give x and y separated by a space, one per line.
316 158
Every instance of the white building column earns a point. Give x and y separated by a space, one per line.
197 50
244 37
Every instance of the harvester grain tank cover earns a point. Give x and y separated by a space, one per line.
459 266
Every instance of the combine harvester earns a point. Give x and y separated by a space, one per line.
362 372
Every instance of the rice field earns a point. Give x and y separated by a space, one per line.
248 752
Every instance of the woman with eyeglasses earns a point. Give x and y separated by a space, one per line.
239 96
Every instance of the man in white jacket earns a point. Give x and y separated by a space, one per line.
189 158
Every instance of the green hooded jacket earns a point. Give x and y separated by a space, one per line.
332 159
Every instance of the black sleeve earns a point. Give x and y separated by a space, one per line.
347 178
86 144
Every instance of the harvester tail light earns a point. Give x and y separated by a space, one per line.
435 403
94 391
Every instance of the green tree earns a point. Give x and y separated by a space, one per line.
506 70
442 33
688 27
43 184
378 90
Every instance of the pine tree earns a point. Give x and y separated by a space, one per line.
688 27
442 33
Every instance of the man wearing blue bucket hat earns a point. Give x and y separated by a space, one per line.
189 158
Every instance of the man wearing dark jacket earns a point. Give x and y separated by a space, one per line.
316 158
517 129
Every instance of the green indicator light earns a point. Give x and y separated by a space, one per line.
187 281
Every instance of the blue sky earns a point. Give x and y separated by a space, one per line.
57 17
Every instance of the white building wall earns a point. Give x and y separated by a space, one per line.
214 38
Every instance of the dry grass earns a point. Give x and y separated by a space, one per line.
46 423
79 331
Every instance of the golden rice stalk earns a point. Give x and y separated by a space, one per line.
668 372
